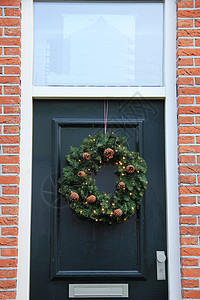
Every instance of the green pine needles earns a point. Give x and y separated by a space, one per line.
79 188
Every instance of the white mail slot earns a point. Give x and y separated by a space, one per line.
98 290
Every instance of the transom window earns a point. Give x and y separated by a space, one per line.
98 44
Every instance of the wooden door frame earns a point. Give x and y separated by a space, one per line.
169 93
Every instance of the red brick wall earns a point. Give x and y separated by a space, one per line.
188 85
9 143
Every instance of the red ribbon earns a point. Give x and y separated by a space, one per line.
105 115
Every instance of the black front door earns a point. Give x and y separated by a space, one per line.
66 249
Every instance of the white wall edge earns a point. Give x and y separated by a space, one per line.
174 278
25 153
173 235
112 92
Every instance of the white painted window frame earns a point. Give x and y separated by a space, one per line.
168 93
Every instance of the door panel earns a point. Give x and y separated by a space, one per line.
66 249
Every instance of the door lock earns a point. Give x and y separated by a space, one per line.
160 261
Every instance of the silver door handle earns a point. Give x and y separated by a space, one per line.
160 262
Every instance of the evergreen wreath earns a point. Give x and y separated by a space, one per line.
78 187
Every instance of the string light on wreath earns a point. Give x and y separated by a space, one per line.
78 187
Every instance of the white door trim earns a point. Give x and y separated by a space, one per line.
174 277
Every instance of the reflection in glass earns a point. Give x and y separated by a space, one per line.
98 44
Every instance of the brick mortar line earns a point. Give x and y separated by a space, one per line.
9 247
189 67
10 216
8 154
182 125
189 86
7 279
15 17
178 29
181 205
12 165
10 84
188 8
190 289
196 184
191 226
8 290
7 65
9 113
10 184
2 279
8 175
8 236
9 105
178 77
9 195
11 174
189 105
10 226
190 267
181 56
189 164
10 46
10 6
10 36
13 75
8 268
189 195
187 216
19 27
192 278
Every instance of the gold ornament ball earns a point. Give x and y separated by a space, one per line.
130 169
117 212
108 153
91 199
86 156
81 174
74 197
121 185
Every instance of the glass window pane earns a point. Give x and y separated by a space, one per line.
98 44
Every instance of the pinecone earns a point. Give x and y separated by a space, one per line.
117 212
108 153
86 156
121 185
91 199
81 174
130 169
74 197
